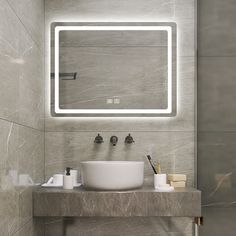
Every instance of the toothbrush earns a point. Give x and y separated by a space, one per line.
158 167
150 161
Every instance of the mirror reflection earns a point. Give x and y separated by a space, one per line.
114 70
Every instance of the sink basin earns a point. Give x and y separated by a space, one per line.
112 175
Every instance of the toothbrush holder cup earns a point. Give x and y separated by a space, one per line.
159 180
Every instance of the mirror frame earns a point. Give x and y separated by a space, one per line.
169 27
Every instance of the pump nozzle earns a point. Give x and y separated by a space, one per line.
68 170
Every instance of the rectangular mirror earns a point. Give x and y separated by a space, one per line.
113 69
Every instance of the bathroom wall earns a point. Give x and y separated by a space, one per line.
170 140
217 115
21 112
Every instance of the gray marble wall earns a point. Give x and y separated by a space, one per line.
119 226
171 140
70 140
217 115
21 112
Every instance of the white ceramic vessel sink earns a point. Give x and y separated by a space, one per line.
112 175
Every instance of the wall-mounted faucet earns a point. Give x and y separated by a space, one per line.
113 140
98 139
129 139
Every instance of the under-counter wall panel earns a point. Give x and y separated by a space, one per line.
117 226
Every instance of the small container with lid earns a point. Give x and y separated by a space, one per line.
68 180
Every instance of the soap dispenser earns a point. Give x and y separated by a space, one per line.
68 179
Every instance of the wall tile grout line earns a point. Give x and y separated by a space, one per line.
217 56
121 131
23 125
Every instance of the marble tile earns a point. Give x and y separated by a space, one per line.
103 72
31 14
9 211
22 102
22 153
185 9
87 203
69 148
111 38
25 153
35 227
183 202
216 93
16 211
31 153
21 67
186 38
107 10
9 61
31 92
216 32
218 221
134 226
218 183
25 205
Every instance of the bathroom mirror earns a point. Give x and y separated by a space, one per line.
113 69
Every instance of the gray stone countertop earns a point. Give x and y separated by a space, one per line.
184 202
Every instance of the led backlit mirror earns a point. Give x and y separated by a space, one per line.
113 69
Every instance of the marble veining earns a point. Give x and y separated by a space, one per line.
117 226
141 202
21 113
172 149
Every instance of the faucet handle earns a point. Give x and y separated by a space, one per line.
98 139
129 139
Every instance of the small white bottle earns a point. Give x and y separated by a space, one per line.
68 179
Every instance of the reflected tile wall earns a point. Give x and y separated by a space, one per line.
21 113
143 70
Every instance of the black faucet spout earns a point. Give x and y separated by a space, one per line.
114 140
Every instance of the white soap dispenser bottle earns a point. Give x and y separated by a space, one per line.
68 179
